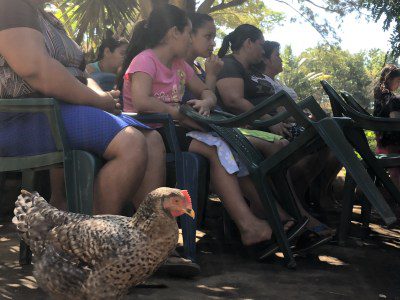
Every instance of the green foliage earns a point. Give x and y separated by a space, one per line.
371 139
251 12
389 11
354 73
89 19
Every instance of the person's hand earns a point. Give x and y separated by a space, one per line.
213 65
201 106
110 102
281 129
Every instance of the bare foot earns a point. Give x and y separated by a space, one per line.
257 232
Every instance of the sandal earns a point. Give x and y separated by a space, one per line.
313 238
263 249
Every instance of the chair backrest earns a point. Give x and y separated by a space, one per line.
105 80
337 103
341 106
350 100
50 108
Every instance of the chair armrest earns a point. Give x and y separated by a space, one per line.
242 119
295 110
377 124
48 106
168 127
31 105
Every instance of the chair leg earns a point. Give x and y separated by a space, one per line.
333 136
347 209
189 173
25 253
286 193
80 169
269 202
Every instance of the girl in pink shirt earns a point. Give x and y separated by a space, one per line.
154 81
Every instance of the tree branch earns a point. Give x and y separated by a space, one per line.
305 18
224 5
205 7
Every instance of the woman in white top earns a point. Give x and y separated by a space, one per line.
327 164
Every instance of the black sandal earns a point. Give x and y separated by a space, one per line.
312 238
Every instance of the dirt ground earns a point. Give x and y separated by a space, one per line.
365 269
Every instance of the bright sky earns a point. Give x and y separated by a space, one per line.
356 34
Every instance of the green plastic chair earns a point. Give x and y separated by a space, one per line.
80 167
375 164
317 134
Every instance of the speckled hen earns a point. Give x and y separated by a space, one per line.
99 257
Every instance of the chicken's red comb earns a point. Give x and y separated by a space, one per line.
185 193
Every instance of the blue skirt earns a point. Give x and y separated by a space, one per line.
87 128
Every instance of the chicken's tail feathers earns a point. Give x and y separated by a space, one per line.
27 217
24 203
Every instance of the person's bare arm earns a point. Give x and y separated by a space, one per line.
141 87
24 50
93 85
207 97
231 91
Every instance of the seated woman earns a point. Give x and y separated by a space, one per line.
270 67
240 86
387 105
110 55
38 59
155 80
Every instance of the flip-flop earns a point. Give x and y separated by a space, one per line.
312 238
266 248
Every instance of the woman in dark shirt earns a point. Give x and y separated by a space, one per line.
387 105
240 87
38 59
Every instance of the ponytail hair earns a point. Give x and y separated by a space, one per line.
237 38
149 33
388 73
111 42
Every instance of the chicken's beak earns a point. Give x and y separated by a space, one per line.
190 212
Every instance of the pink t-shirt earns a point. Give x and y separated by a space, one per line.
168 83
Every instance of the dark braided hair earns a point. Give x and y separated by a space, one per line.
237 37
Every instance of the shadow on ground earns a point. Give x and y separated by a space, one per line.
366 269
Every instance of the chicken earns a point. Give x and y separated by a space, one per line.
99 257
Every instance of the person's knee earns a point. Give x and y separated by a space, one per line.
128 144
155 143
